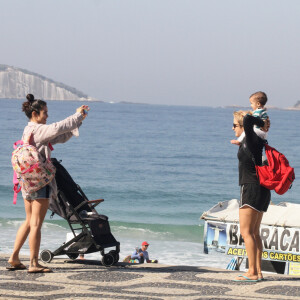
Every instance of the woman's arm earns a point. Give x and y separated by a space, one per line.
253 142
62 138
249 122
48 133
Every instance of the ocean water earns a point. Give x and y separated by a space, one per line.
157 167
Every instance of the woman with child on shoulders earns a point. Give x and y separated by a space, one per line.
254 198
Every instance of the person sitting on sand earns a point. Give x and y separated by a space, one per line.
141 254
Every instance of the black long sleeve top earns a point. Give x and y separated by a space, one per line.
251 146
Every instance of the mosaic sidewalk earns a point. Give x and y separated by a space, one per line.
88 279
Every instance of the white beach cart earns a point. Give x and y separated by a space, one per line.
280 233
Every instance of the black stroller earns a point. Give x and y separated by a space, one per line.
91 231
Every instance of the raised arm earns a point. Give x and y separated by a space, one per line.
248 123
49 133
253 141
62 138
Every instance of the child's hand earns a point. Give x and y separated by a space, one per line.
235 142
267 125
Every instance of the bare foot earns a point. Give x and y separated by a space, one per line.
14 262
41 266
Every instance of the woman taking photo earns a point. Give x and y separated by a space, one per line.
255 198
36 203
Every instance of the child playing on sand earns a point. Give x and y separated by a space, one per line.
258 101
140 255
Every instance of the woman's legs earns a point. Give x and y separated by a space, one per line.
39 209
258 244
248 219
22 234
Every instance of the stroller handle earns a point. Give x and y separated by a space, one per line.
96 201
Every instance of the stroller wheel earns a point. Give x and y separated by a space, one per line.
107 260
115 255
72 255
46 256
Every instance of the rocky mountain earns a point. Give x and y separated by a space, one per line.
297 105
17 83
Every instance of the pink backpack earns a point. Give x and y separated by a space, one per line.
31 172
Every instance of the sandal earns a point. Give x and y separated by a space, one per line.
243 278
260 277
18 266
39 270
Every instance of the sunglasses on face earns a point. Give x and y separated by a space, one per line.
236 125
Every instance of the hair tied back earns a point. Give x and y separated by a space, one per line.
30 98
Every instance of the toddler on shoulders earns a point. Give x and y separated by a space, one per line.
258 101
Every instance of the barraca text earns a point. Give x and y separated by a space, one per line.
273 238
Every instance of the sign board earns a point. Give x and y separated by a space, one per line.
279 243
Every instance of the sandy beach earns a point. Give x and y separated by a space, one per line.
88 279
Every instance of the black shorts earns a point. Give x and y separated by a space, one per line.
255 196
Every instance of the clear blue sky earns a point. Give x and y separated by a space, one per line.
181 52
